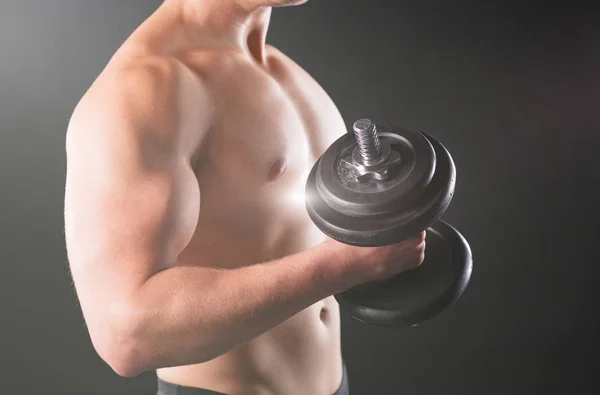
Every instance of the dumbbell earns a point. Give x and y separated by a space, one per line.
381 185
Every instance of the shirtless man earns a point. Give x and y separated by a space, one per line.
189 244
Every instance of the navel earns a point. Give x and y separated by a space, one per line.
277 169
324 315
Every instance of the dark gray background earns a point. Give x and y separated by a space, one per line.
513 90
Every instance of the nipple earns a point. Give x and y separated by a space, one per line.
277 169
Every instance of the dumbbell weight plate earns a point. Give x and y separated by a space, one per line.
337 188
416 295
382 212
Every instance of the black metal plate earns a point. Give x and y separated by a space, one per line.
419 294
373 197
402 223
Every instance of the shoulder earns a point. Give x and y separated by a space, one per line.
286 68
148 81
149 95
279 61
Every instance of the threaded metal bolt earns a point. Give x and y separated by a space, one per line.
367 139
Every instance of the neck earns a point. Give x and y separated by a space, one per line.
225 24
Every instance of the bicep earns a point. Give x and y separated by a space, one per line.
138 218
127 216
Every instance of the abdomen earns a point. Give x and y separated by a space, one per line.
300 356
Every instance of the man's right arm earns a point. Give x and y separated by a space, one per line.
132 203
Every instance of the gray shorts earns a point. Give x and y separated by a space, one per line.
165 388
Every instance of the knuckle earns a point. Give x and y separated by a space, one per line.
379 270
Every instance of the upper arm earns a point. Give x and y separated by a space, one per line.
132 200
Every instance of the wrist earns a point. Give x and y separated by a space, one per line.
336 266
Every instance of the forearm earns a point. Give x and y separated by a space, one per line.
193 314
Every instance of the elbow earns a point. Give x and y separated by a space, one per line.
124 364
121 346
131 343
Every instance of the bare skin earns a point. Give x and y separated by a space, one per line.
190 248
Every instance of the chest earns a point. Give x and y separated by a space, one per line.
270 125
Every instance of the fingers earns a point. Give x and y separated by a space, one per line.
416 246
383 261
414 242
421 248
421 253
421 238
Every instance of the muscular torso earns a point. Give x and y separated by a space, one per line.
271 122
